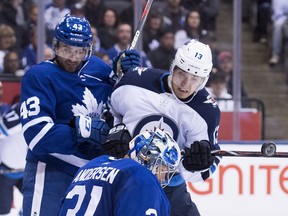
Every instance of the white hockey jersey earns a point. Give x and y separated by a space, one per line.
142 101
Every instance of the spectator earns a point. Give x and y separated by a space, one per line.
29 53
225 61
96 43
209 10
77 9
7 42
48 53
104 57
124 37
94 10
211 40
152 28
52 15
263 19
4 107
12 66
30 24
108 28
174 14
12 14
192 29
127 15
163 56
279 16
218 90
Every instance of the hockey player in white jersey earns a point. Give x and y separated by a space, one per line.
12 157
109 186
61 105
177 102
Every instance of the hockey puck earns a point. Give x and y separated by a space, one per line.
268 149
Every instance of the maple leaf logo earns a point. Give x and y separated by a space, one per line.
90 108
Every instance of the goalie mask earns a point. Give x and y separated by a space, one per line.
76 34
158 152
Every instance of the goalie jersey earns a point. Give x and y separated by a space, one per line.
142 101
119 187
50 98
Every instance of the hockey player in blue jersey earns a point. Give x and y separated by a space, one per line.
61 105
178 102
109 186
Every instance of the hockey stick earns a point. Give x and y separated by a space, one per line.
267 150
136 35
141 24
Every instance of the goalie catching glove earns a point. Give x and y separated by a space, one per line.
117 141
198 157
92 130
126 60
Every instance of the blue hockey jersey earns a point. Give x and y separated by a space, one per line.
50 98
108 186
143 101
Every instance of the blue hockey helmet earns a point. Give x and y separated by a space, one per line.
74 31
157 151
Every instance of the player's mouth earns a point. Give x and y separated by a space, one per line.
182 90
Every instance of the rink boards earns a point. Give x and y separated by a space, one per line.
245 186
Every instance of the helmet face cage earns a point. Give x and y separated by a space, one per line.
158 152
73 31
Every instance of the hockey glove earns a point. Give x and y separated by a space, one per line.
117 141
92 130
198 156
126 60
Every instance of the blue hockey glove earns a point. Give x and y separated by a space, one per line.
126 60
92 130
198 156
117 141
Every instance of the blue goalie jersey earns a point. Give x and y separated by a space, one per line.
50 98
107 186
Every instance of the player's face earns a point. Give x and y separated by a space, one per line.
185 84
70 57
161 173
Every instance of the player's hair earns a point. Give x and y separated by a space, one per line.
154 150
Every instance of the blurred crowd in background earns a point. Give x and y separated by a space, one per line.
169 25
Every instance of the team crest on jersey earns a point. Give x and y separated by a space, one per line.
90 108
211 100
149 123
140 70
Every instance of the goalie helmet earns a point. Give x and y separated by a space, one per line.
194 58
73 31
158 152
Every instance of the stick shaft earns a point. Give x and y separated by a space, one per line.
141 24
247 154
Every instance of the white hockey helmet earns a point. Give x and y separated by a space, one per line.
194 58
156 150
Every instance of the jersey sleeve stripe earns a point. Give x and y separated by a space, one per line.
36 121
40 135
71 159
